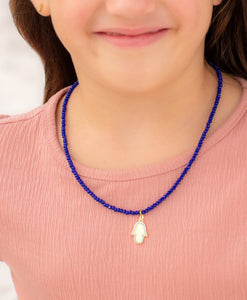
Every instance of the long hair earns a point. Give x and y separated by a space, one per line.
225 43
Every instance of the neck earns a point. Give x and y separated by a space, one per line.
175 107
124 134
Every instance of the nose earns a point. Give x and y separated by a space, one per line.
130 8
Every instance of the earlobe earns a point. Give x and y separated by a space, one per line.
217 2
42 7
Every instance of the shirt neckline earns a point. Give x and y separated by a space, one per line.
143 171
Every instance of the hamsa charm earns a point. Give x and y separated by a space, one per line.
139 231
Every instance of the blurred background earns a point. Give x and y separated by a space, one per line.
21 85
21 71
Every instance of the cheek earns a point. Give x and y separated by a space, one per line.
71 19
192 20
191 15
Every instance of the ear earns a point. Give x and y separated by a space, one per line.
42 7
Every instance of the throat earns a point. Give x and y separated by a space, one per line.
94 149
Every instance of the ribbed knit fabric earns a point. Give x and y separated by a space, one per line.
61 244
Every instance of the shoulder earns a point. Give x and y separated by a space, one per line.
13 120
19 137
21 131
15 130
30 117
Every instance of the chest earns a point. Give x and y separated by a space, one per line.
195 249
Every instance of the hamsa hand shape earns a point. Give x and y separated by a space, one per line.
139 231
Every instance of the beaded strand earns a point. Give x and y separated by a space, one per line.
146 210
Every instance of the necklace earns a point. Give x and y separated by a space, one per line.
139 231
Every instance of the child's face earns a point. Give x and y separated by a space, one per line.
76 22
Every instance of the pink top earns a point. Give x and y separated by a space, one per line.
61 244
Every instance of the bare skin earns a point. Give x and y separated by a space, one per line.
96 148
141 105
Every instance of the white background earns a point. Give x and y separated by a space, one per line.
21 89
21 70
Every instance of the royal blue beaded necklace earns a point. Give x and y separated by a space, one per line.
139 231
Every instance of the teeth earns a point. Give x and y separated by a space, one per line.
113 33
119 34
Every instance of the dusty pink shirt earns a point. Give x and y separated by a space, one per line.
61 244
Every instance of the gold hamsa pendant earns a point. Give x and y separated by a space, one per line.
139 231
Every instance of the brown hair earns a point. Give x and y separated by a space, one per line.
225 44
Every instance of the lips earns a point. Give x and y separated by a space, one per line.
138 40
130 31
127 35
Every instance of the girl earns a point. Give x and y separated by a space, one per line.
140 194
